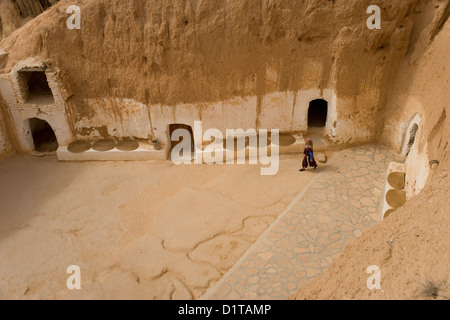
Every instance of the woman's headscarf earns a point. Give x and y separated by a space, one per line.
309 141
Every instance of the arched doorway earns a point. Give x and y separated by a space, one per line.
176 126
317 113
44 137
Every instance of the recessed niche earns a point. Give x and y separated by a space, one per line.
317 113
34 87
188 133
44 137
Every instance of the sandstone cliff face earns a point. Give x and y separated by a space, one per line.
418 233
10 18
201 52
421 92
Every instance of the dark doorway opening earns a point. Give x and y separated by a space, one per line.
317 113
44 137
39 91
174 127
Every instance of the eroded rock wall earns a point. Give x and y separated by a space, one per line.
421 96
10 19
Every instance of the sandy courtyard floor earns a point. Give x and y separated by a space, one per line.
137 230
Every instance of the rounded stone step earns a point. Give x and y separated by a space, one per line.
127 145
286 140
79 146
104 145
396 180
396 198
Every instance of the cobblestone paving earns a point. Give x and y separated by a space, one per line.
342 202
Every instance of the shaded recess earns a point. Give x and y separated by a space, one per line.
317 113
44 137
178 126
35 88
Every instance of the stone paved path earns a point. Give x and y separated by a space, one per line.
341 203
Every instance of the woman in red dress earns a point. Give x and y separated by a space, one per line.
309 160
